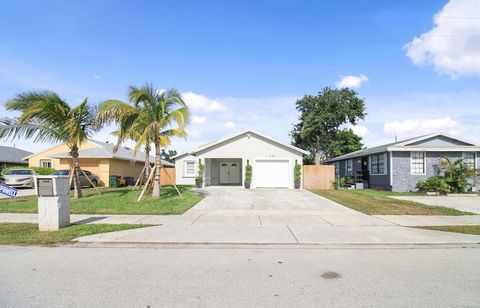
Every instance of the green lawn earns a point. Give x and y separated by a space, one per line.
373 202
474 229
28 234
115 201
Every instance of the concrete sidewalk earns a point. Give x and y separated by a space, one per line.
239 218
269 227
292 235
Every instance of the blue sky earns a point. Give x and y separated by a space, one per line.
243 64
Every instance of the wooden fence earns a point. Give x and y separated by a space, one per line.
167 176
318 176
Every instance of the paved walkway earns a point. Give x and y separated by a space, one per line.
466 203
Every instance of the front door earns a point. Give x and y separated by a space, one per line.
229 173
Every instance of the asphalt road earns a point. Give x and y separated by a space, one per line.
238 277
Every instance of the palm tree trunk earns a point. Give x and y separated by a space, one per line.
76 174
156 181
147 161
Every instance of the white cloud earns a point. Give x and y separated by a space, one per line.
361 131
229 124
352 81
197 102
97 77
198 120
193 133
453 45
419 126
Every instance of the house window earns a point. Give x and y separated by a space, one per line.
377 164
46 163
469 159
349 166
417 163
189 168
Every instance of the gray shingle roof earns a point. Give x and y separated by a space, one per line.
105 150
13 155
368 151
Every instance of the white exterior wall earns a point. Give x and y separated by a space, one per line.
244 147
181 179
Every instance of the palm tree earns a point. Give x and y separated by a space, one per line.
131 125
458 173
47 117
152 117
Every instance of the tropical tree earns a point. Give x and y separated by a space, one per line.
154 115
45 116
131 125
321 119
457 174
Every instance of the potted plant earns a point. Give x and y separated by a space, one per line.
297 176
199 178
248 176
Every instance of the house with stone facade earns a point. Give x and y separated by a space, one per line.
399 166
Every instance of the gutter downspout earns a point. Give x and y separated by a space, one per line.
391 168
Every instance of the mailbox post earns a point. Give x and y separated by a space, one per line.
53 202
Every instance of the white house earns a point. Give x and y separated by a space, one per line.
225 160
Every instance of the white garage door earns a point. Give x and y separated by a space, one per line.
271 173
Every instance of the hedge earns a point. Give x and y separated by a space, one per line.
37 170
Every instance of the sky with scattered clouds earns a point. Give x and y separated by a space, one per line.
243 64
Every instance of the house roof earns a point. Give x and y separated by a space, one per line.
105 150
406 145
224 139
13 155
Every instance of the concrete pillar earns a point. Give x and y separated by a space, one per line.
53 202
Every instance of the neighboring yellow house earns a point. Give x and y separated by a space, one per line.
96 157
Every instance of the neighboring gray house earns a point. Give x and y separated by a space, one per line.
10 156
400 165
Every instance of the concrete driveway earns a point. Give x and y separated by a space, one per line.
467 203
237 198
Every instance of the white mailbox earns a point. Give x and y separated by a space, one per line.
53 202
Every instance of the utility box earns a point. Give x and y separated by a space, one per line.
53 202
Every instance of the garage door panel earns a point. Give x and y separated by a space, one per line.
271 173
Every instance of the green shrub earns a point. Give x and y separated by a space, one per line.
433 184
248 173
201 170
37 170
458 175
43 170
297 173
340 182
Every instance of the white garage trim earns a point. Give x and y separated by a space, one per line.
283 179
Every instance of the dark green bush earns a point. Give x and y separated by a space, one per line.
433 184
297 173
341 182
248 173
201 170
37 170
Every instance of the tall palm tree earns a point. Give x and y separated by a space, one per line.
47 117
154 116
